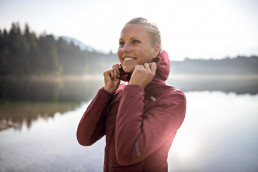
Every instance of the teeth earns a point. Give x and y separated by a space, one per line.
128 58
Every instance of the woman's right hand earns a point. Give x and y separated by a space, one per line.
111 79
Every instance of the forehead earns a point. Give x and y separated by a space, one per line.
134 30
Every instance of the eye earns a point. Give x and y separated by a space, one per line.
121 43
135 41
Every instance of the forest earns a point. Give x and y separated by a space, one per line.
23 53
240 65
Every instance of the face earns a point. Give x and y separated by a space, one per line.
135 47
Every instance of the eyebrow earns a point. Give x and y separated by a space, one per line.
134 37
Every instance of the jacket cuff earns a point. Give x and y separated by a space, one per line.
134 87
108 94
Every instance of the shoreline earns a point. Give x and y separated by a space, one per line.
100 77
52 78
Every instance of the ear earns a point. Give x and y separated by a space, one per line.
157 50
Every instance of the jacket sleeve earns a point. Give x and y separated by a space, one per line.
92 124
138 134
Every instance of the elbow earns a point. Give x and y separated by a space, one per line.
82 140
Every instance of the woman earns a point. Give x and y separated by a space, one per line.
140 119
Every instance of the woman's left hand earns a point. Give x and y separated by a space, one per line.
143 74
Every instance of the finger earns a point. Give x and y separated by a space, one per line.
153 67
112 74
117 72
107 73
147 67
141 66
138 67
116 66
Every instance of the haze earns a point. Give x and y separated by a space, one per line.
194 29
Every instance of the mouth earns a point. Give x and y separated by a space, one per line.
128 58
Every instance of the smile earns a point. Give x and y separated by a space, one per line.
129 58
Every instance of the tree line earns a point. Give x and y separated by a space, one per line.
240 65
23 53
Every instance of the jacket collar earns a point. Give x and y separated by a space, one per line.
163 66
162 73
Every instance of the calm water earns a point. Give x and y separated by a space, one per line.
219 132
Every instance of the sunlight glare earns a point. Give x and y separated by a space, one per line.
184 145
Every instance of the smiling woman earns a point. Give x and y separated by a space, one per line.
140 119
136 45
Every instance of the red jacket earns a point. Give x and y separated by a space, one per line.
139 124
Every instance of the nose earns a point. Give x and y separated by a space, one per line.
126 47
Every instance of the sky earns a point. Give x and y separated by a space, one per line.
189 28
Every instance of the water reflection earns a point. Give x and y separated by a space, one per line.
27 100
219 134
51 90
245 84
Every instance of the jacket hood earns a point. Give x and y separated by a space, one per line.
163 66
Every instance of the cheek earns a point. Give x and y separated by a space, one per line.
145 57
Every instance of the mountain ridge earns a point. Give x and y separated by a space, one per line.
80 44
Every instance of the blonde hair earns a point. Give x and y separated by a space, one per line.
152 29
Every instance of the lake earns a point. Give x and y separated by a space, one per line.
39 121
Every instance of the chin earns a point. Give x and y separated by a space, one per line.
128 69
